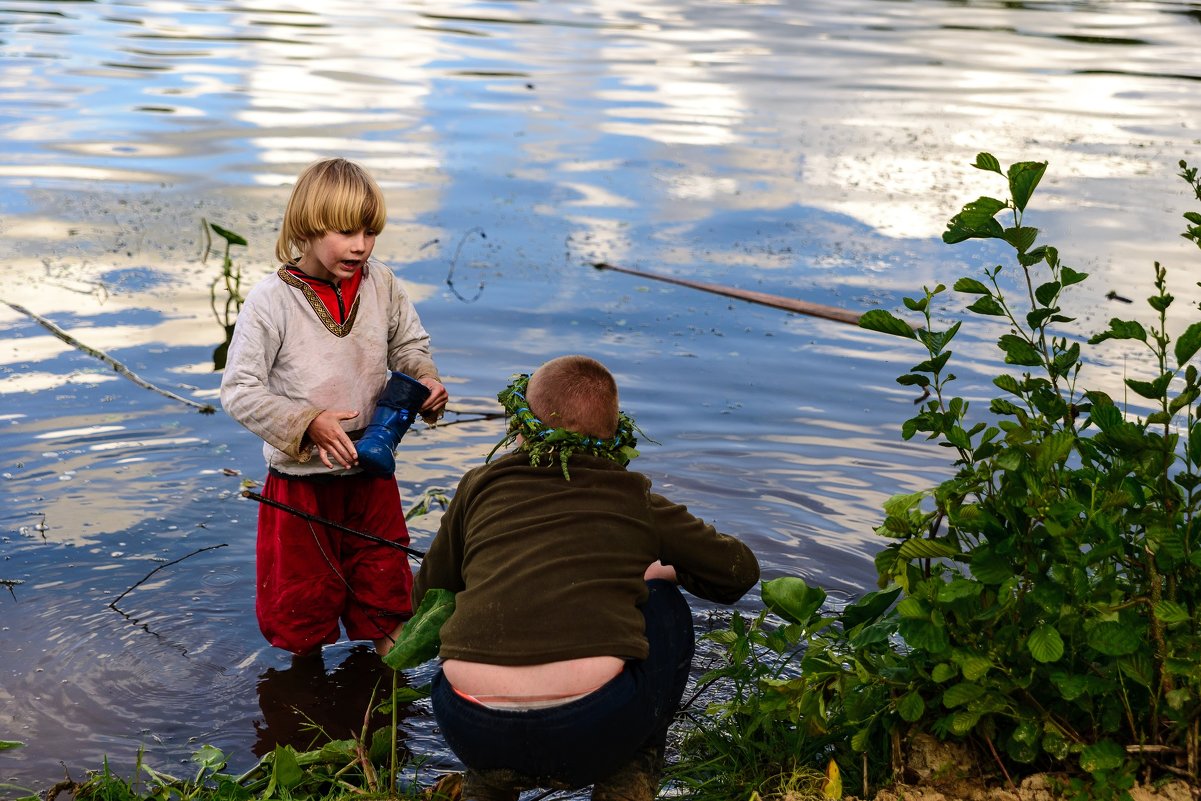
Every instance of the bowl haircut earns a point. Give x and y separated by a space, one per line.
329 195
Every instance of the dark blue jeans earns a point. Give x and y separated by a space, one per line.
588 739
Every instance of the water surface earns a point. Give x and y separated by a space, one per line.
813 150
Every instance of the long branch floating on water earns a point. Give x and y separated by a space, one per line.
775 301
203 408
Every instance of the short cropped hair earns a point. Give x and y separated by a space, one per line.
330 195
577 393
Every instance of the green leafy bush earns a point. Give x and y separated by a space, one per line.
1046 594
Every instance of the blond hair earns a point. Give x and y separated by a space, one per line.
577 393
329 195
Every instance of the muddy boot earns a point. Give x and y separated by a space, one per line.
636 780
394 412
491 785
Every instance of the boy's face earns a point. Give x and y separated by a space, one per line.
336 255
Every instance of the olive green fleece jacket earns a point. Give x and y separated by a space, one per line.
546 569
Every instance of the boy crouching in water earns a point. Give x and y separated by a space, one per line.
570 643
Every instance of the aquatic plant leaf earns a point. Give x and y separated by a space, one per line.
286 772
419 640
209 757
5 745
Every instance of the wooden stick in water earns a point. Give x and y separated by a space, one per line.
203 408
775 301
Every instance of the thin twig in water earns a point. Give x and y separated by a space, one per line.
204 408
10 583
450 280
113 603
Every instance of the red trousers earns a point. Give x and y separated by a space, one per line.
310 576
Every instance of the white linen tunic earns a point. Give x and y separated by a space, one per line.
289 360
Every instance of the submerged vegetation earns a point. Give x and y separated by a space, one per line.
1039 608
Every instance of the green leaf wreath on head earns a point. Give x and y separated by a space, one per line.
542 442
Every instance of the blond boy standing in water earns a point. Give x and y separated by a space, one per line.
326 351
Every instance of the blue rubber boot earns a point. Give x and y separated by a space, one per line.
394 412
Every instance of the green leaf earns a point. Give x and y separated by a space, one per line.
419 639
869 608
921 548
1069 276
987 161
1046 293
6 745
1138 668
286 772
975 666
1054 449
1187 344
792 599
1121 329
957 589
990 568
924 635
975 221
899 505
1103 755
1152 390
1045 644
962 693
944 671
910 707
1021 238
1171 612
971 286
964 721
886 323
1019 351
987 305
1008 383
209 757
228 236
1070 686
1114 639
1023 178
911 607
